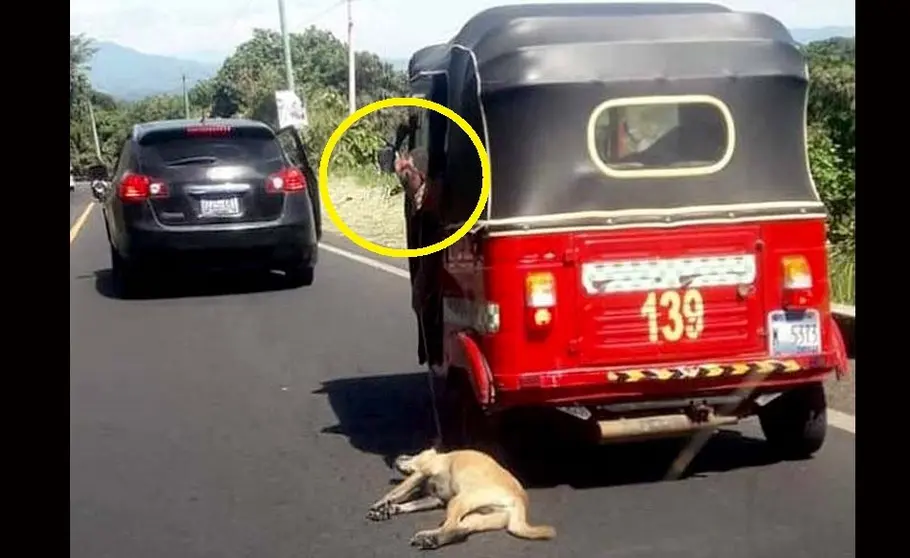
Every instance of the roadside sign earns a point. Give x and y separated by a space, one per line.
291 110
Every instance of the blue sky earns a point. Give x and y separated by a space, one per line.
392 28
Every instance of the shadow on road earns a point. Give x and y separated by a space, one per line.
187 285
383 415
635 463
391 414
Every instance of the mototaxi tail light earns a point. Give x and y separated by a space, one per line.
540 300
136 187
289 180
797 282
540 290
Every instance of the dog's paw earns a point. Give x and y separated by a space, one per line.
425 540
381 512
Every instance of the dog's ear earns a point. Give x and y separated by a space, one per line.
428 453
437 445
404 464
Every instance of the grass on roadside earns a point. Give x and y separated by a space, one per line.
370 204
842 273
370 178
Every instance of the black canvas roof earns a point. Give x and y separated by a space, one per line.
529 80
540 44
487 21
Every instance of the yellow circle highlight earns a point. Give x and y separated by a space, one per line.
385 250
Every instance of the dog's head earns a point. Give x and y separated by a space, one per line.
407 464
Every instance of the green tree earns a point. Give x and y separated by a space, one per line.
246 84
81 52
836 183
832 129
832 98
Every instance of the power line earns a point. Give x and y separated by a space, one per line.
325 12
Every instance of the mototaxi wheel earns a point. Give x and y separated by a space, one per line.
795 424
462 421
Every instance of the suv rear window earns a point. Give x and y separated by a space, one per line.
173 150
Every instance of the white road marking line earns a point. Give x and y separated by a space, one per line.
837 419
844 309
375 264
841 420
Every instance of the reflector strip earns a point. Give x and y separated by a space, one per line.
758 368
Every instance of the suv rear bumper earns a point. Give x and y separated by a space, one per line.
231 245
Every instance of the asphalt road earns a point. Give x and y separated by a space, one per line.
236 419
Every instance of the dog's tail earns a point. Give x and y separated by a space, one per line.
518 526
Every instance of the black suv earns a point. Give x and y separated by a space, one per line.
218 193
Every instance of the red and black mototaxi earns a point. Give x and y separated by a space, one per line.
652 257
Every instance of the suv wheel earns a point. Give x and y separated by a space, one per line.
123 274
300 275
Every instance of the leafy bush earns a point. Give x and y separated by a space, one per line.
832 152
836 183
358 145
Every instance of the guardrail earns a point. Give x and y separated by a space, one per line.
845 316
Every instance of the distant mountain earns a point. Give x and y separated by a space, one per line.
128 74
805 36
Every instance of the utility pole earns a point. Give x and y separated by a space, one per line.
286 39
91 115
186 99
352 83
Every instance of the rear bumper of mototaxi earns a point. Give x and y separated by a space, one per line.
744 378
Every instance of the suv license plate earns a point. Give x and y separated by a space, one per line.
219 207
794 332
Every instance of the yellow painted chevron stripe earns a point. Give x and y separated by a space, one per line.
791 366
714 370
762 368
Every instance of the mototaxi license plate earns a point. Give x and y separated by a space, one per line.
219 207
794 332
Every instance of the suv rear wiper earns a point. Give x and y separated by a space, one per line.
192 161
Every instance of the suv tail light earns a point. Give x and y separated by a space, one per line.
797 282
289 180
540 300
208 130
139 187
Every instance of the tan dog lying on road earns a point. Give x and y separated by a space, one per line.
478 494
